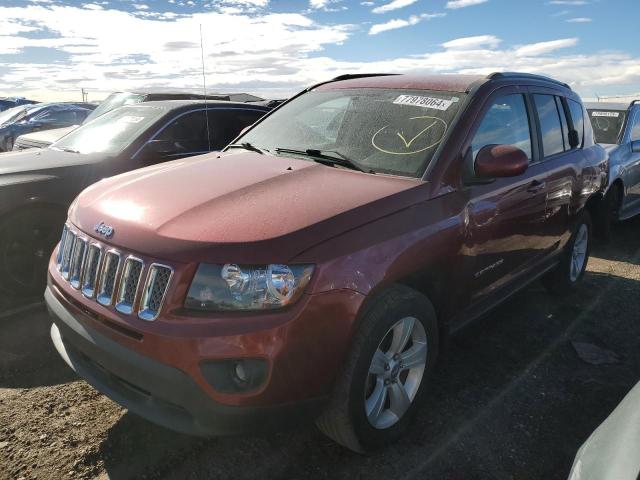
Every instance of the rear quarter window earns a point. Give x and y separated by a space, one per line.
577 116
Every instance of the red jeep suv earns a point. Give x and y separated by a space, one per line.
316 265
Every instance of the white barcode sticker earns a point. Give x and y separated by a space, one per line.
605 114
425 102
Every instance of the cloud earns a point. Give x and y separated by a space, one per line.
579 20
393 5
541 48
284 53
471 43
401 23
140 6
463 3
325 5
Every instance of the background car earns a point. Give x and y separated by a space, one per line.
612 451
37 186
10 102
43 139
42 116
616 127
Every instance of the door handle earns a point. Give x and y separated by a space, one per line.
536 186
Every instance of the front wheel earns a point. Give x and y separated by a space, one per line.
393 352
573 264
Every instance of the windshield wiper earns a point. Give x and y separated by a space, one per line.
248 146
322 156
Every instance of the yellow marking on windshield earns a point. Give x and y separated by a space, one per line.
411 141
408 144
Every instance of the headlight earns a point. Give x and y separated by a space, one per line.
247 287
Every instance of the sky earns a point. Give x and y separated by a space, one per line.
51 49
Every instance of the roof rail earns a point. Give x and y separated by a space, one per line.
350 76
530 76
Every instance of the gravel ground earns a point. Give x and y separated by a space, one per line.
511 400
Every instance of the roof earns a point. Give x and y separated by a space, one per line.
442 82
606 106
176 104
445 82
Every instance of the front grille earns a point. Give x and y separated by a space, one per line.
129 284
70 239
77 262
108 277
91 269
111 277
154 291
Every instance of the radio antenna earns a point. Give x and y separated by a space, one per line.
204 89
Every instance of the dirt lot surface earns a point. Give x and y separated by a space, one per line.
513 399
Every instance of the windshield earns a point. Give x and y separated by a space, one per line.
13 114
112 132
114 101
607 124
380 130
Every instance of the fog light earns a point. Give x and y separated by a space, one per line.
235 375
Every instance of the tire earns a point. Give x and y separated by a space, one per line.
609 214
27 238
570 270
386 320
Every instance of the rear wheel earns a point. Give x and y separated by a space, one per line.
573 264
393 352
27 238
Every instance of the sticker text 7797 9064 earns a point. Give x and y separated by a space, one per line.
425 102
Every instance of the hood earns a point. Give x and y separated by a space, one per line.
46 137
24 161
238 207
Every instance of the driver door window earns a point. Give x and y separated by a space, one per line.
186 135
505 123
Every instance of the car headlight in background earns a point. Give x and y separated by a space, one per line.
247 287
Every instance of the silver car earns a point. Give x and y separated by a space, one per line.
616 127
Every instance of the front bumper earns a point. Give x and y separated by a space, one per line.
158 392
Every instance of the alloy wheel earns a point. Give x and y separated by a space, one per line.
396 372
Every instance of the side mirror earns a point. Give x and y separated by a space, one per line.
635 146
495 161
161 147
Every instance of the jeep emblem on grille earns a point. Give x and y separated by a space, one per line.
104 229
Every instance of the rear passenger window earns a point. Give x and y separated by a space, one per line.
505 123
551 129
577 116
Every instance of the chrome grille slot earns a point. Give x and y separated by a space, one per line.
154 291
61 246
108 277
77 262
129 282
91 269
70 239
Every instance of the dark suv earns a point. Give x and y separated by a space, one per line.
38 185
316 266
